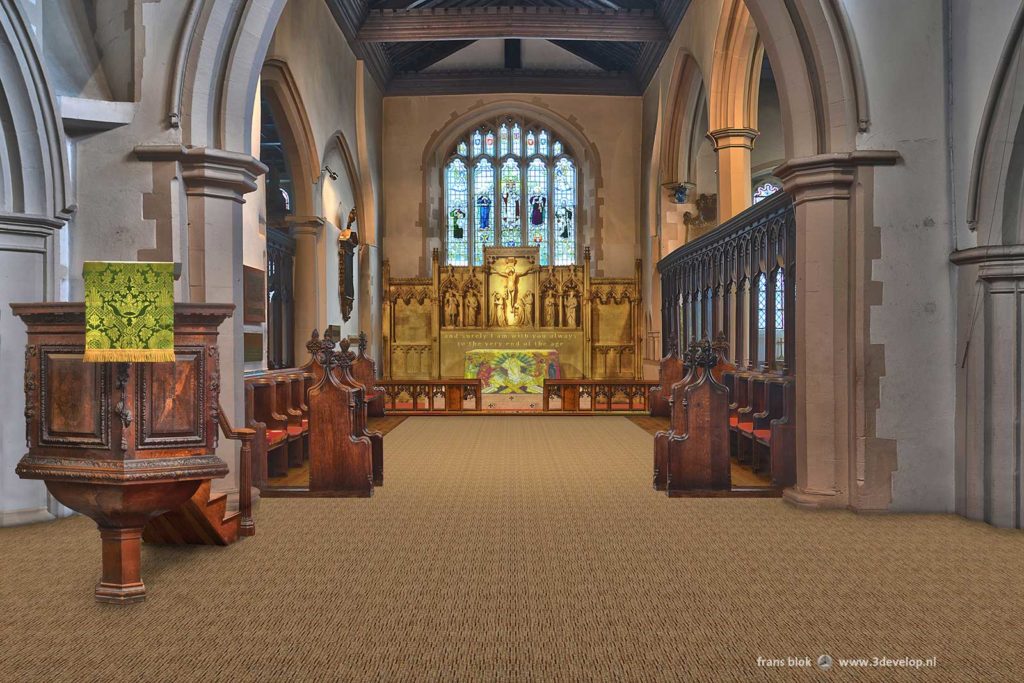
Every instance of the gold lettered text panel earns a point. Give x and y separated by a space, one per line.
455 344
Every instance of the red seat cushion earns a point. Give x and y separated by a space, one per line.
305 424
294 430
276 436
764 435
747 427
733 421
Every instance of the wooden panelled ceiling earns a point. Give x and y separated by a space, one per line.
399 39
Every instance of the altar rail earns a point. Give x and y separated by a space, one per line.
738 279
431 397
560 397
590 396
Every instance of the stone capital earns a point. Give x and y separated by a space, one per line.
828 176
1001 266
305 226
725 138
209 172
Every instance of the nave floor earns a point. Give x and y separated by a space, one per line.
523 549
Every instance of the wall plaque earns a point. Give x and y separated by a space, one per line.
254 296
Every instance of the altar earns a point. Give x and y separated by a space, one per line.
511 305
512 371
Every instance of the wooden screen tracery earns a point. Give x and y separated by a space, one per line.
738 279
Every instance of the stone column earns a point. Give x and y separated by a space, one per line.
992 487
310 284
832 270
216 183
734 192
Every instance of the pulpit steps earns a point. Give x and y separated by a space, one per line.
202 520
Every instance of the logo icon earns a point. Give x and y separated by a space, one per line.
824 662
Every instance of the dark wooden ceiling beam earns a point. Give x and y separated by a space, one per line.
418 56
349 15
485 81
550 23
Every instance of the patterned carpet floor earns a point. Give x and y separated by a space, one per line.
524 549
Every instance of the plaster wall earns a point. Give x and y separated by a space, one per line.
611 124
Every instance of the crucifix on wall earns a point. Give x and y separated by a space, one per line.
348 240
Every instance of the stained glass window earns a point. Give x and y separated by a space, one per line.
780 320
483 202
503 140
511 207
765 190
762 302
537 207
565 212
456 180
762 314
496 194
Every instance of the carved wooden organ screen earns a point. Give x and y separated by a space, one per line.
739 279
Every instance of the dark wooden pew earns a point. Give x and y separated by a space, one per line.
676 400
670 370
340 461
360 409
697 459
364 370
773 440
266 419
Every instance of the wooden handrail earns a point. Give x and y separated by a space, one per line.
246 436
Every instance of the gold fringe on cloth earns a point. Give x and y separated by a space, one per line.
129 356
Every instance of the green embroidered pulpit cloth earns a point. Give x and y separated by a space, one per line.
129 312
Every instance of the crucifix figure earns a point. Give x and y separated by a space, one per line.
512 277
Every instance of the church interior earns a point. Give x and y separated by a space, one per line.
511 339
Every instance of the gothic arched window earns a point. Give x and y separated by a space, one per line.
510 183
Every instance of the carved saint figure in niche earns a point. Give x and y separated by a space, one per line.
549 310
571 303
472 310
528 308
451 309
496 310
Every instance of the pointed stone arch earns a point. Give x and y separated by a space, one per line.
280 89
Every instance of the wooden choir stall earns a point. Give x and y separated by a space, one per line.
311 424
737 280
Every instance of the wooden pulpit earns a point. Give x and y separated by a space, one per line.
120 442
